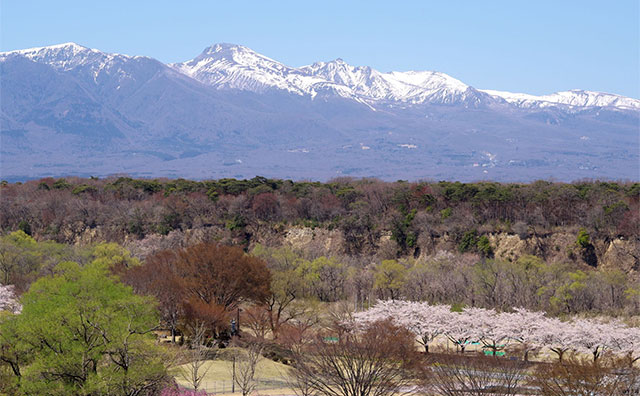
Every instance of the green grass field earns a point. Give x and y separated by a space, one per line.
271 376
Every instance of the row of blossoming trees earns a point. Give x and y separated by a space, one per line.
497 330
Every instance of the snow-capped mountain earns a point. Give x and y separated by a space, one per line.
573 98
62 56
229 66
71 56
68 109
405 87
91 64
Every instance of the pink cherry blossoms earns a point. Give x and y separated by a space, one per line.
8 301
495 330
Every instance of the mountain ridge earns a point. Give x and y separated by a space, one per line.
232 112
446 90
212 66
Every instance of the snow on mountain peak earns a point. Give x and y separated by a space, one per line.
571 98
231 66
70 46
65 56
219 47
70 55
97 65
338 71
582 98
54 54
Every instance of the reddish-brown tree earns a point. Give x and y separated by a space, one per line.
377 361
223 275
203 283
158 277
216 278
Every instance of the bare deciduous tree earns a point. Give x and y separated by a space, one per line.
195 371
244 368
475 376
256 318
373 362
585 377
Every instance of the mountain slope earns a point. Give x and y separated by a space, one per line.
68 109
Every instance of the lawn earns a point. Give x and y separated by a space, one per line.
271 376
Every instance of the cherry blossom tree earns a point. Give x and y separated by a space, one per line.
462 326
430 321
555 335
627 341
486 326
521 326
426 321
8 301
495 330
594 336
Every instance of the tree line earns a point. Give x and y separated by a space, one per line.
496 331
65 210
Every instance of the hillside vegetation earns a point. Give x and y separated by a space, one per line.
563 248
364 214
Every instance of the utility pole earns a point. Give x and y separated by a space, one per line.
233 376
238 319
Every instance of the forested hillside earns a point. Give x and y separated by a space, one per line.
415 216
552 246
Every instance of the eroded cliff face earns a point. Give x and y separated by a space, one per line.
618 253
559 246
316 240
622 254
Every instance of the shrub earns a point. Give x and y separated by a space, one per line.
577 377
61 184
583 239
456 375
484 246
445 213
468 241
472 242
83 188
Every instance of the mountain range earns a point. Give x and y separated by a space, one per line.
231 112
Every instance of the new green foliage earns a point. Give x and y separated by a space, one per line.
471 242
82 332
390 277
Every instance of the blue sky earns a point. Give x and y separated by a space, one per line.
535 47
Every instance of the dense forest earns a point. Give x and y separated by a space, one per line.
244 211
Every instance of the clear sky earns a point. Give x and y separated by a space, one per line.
533 46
